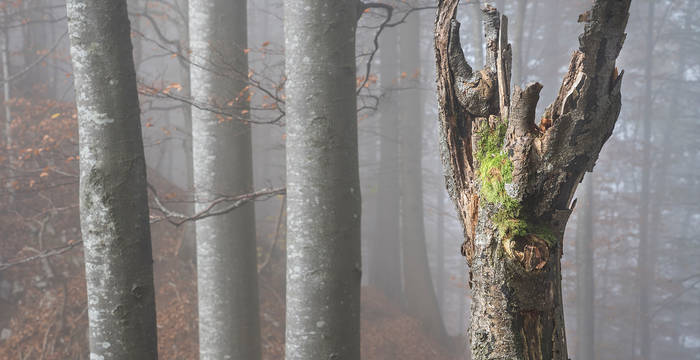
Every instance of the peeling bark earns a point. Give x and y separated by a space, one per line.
512 180
113 201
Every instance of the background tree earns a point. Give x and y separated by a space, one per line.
226 247
513 181
418 284
113 201
385 255
585 289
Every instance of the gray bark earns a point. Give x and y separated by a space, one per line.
323 221
113 200
512 181
226 249
585 290
644 261
418 285
385 254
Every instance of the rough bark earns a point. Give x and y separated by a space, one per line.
418 285
226 248
585 290
113 200
512 181
385 254
323 189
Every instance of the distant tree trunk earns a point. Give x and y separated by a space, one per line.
518 47
418 285
644 260
323 187
113 201
188 248
385 254
440 239
7 110
226 249
585 290
513 181
477 34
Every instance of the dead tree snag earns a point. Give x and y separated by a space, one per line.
512 180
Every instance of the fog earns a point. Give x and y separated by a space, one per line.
630 274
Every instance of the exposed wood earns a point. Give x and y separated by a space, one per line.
513 189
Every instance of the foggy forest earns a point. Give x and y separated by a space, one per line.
349 179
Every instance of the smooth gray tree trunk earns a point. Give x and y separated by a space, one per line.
227 284
323 188
113 201
188 248
418 284
585 290
385 253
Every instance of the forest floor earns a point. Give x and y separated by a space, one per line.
44 315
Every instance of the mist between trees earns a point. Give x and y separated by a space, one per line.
314 180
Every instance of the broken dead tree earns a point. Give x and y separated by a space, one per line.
513 179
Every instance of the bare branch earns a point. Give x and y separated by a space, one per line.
219 206
42 255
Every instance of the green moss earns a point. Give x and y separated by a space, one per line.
495 171
543 232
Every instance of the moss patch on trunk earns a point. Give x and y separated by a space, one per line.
495 171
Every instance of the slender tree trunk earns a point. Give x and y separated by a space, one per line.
188 249
644 270
7 109
226 249
440 239
5 54
113 201
518 45
477 34
323 188
418 285
513 180
585 289
385 255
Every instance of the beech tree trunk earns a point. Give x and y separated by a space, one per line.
418 284
513 181
113 201
385 254
227 283
323 186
